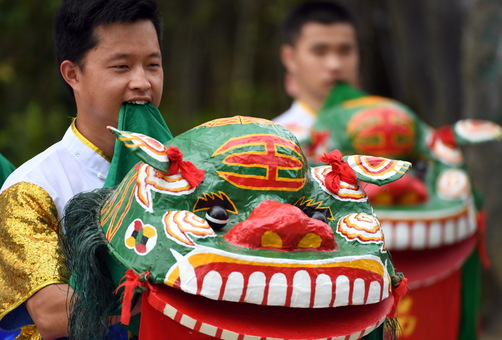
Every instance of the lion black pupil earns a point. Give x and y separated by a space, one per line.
217 217
319 216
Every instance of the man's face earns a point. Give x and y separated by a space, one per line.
322 56
125 66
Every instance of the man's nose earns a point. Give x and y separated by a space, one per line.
333 62
139 80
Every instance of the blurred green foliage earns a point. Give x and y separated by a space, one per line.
35 107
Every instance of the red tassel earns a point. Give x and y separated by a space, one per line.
340 171
193 175
444 134
398 292
132 281
317 139
483 254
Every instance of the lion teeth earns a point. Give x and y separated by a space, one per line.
234 287
427 232
300 287
305 291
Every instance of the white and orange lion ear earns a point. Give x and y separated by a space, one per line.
146 148
166 159
377 170
471 131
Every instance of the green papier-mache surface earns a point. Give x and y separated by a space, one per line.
145 119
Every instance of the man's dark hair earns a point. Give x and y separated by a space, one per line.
323 12
76 21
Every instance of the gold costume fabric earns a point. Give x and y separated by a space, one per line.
30 256
29 333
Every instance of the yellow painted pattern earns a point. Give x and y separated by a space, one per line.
112 208
363 101
407 321
384 166
143 142
179 224
221 196
241 120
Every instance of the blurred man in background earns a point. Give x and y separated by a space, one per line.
320 49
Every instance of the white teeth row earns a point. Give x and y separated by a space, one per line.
325 292
225 334
139 102
426 234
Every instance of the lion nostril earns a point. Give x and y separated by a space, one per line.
310 240
271 239
217 217
319 216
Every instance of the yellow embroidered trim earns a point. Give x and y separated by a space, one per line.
308 109
87 142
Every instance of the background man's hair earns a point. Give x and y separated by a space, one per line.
323 12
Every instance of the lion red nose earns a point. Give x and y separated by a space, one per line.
274 225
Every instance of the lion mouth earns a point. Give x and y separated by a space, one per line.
231 320
332 282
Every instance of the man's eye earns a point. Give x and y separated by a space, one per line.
120 67
319 51
346 50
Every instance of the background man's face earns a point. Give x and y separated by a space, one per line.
322 56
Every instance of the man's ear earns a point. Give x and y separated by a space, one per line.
287 57
69 72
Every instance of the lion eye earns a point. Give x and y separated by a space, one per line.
319 216
217 217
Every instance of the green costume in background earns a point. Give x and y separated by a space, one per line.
6 168
432 218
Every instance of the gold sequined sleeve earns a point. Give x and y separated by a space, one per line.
30 257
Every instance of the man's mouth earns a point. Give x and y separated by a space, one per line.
138 102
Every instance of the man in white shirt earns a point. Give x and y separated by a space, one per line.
108 53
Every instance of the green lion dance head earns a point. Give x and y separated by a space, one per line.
434 207
230 234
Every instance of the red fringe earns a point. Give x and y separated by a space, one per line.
483 254
397 292
193 175
340 171
132 281
446 135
